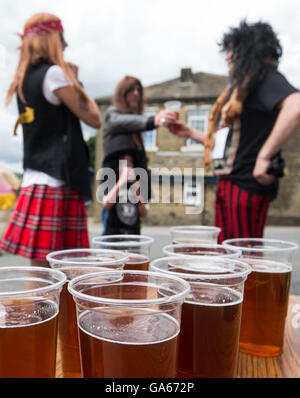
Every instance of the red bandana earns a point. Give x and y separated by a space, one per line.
42 28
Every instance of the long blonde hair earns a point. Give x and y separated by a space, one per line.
33 49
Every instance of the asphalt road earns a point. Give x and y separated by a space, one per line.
162 238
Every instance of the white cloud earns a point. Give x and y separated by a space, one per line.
152 40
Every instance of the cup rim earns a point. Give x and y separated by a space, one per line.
290 246
177 102
121 302
50 257
193 229
144 240
247 269
40 290
202 245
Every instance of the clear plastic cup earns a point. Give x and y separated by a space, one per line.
266 293
173 106
29 305
128 323
194 249
139 247
211 313
195 234
75 262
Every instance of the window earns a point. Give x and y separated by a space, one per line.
150 135
197 118
192 193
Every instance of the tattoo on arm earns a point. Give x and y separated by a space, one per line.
83 103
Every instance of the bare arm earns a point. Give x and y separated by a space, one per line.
85 109
181 129
287 122
118 122
142 207
110 199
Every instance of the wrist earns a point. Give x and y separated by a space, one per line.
263 157
151 123
196 135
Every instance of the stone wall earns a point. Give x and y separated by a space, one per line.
285 210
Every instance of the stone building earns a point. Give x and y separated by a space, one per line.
176 161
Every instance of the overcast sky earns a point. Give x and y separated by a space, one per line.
149 39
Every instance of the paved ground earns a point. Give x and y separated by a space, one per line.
162 238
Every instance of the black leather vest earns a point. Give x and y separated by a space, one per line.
53 142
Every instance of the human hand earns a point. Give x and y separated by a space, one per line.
180 129
260 171
165 118
127 174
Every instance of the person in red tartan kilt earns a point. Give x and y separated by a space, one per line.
248 126
50 213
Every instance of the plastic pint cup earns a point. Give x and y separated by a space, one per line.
126 335
199 249
211 313
173 106
138 247
75 262
266 294
194 234
29 305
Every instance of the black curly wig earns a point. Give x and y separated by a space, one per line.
255 47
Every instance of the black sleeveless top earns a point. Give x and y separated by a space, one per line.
53 143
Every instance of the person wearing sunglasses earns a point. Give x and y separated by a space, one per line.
124 123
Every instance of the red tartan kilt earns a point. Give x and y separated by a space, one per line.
46 219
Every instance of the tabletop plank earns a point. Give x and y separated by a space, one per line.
285 366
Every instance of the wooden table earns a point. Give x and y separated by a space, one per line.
285 366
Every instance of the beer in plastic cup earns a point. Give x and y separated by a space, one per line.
211 313
266 294
75 262
199 249
126 335
29 305
173 106
138 247
195 234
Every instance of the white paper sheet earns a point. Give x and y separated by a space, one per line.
220 143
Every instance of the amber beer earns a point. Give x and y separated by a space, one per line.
72 263
266 293
201 234
28 336
198 249
211 313
128 345
68 335
191 242
137 262
208 343
124 333
137 246
67 325
265 308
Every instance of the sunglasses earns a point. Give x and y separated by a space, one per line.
133 88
